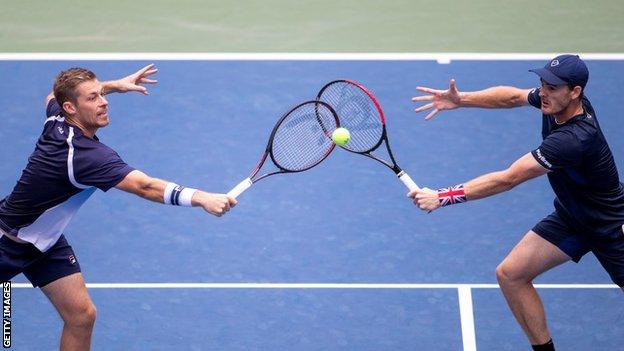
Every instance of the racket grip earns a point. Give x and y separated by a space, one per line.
409 183
239 188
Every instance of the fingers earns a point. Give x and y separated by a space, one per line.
453 86
140 77
423 98
147 81
147 70
136 88
415 193
149 73
425 199
432 114
429 90
424 107
223 205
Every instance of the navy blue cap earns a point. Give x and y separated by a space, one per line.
564 69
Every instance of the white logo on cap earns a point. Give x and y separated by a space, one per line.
554 63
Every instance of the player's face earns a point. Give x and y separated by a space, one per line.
91 106
555 98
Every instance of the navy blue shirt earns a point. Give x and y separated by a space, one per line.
582 173
63 171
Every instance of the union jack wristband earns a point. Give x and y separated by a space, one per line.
451 195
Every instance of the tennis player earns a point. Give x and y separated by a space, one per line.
589 203
69 163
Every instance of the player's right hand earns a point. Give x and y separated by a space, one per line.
216 204
426 199
439 99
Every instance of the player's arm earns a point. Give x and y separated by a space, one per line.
133 82
161 191
451 98
521 170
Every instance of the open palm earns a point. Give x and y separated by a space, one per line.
438 100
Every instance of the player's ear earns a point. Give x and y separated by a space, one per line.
69 107
576 92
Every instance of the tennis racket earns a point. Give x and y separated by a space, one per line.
360 113
300 140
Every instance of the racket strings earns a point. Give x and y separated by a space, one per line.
302 139
357 112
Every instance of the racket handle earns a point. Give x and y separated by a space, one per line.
409 183
239 188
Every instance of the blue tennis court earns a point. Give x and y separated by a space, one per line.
364 268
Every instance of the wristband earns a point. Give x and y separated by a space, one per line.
178 195
452 195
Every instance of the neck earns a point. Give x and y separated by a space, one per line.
573 109
88 132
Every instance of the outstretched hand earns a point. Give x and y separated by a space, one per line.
134 81
439 99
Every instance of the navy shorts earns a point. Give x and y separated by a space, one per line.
608 248
41 268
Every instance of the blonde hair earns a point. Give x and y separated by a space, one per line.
66 83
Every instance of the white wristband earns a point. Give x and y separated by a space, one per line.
178 195
186 195
167 195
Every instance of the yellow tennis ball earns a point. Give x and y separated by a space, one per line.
341 136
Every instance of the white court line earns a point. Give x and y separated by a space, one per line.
166 56
317 286
463 291
469 338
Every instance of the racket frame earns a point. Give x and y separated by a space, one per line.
400 173
268 152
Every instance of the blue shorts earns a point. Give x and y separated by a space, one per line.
608 248
41 268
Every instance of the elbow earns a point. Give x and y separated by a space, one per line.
509 181
146 187
515 100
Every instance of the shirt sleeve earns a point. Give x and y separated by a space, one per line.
559 150
534 98
53 108
100 167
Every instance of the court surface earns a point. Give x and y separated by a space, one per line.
365 270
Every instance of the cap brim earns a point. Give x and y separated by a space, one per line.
548 76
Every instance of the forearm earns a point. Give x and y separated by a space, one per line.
488 185
495 97
152 189
164 192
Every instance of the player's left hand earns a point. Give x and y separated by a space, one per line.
134 81
426 199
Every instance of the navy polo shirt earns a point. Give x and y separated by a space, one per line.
63 171
582 173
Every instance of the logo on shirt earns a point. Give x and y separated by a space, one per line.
541 157
554 63
60 130
72 259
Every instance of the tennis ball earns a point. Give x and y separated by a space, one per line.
341 136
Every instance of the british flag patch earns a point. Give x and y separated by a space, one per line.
452 195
